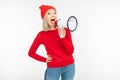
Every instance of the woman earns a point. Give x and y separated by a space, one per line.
58 44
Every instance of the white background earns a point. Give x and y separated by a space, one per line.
96 41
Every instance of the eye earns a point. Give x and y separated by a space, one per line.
48 13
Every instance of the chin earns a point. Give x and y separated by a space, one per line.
52 25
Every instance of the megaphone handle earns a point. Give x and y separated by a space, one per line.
61 32
61 36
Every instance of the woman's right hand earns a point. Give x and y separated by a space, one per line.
49 58
62 32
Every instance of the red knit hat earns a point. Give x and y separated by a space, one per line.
44 9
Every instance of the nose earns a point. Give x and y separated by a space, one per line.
53 15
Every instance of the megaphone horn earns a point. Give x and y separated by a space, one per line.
71 23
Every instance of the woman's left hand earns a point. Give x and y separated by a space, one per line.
62 32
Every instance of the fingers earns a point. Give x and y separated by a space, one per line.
49 59
62 32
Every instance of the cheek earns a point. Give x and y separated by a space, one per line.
48 17
48 20
56 17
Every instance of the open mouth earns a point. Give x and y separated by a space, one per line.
52 19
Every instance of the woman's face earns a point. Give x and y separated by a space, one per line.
51 17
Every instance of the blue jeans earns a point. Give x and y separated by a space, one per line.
66 73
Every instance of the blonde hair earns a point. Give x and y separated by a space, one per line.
45 24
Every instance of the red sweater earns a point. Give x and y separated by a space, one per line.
60 49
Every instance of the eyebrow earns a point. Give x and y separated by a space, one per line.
51 11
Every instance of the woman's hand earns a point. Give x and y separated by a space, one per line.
62 32
49 59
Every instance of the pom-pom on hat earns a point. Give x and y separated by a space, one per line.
44 9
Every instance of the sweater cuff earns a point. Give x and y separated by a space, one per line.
44 59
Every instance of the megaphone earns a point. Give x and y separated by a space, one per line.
71 23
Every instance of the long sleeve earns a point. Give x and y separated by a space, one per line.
60 50
67 42
32 51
